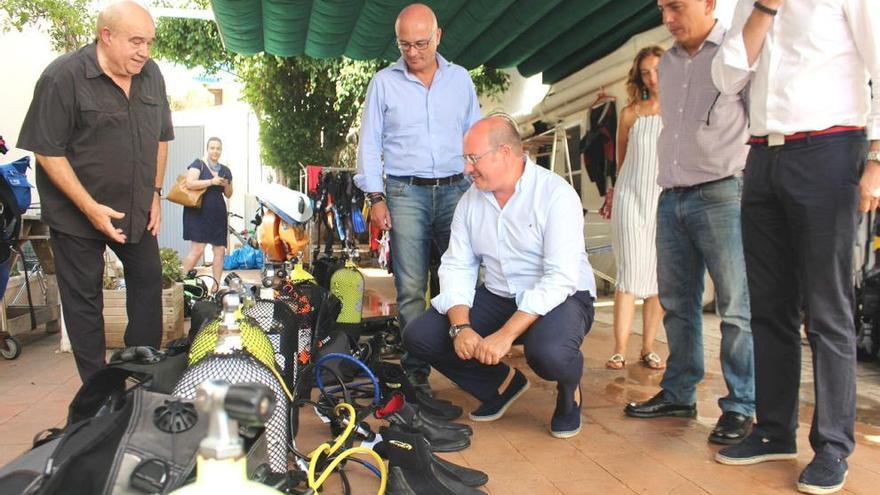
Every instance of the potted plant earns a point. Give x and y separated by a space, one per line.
116 316
170 267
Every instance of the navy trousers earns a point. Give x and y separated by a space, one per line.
552 345
799 218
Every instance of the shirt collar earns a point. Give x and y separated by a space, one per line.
716 36
527 177
93 69
400 65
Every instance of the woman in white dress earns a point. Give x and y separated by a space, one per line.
634 211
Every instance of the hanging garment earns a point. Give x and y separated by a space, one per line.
598 145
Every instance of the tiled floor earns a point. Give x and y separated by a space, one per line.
612 455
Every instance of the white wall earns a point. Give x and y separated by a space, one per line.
236 125
25 55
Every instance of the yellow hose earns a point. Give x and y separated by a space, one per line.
328 449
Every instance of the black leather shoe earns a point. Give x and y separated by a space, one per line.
731 428
658 406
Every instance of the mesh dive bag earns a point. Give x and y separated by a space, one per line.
242 367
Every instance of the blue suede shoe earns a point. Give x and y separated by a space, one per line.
756 448
494 408
826 473
566 421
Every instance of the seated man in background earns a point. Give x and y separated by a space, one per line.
524 226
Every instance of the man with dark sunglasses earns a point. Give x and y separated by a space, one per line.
415 115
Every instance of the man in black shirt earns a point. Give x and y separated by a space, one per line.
99 125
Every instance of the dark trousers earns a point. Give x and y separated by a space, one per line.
552 344
800 211
79 264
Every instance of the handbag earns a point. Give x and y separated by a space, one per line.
184 196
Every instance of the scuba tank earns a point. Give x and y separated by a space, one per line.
235 349
347 283
221 465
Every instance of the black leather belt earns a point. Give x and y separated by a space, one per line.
702 184
425 181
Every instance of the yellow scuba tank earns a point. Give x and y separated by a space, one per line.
347 283
221 465
298 273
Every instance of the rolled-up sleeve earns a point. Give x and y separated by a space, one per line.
50 119
459 267
730 68
863 17
563 254
167 132
473 110
369 157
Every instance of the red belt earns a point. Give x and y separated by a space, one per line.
800 136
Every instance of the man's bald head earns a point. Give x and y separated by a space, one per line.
125 32
493 155
116 13
498 130
418 37
415 16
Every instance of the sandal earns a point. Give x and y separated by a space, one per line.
616 362
652 360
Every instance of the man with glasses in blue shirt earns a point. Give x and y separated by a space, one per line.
523 225
415 115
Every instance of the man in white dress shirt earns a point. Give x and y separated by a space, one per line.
524 226
808 173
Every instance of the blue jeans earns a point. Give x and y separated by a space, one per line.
420 215
698 228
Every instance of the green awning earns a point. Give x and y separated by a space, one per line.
553 37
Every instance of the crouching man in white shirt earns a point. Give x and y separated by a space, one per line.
524 226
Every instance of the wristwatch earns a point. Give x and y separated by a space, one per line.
158 190
874 156
454 330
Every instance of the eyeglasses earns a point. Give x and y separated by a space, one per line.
472 159
419 45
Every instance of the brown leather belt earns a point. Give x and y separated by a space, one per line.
425 181
780 139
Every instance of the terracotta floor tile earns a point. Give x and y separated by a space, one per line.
862 481
28 394
9 411
604 485
640 472
526 486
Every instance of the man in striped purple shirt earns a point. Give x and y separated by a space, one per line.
702 152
